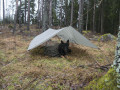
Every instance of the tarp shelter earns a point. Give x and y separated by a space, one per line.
67 33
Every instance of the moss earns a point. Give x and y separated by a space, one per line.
107 82
105 37
85 32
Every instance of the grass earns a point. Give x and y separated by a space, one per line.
21 70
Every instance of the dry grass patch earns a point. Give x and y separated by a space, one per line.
21 68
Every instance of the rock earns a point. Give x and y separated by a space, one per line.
107 37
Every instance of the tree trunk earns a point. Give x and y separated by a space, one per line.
12 10
119 11
87 15
71 21
80 23
102 18
50 14
15 17
39 14
60 13
41 11
43 4
28 20
9 18
45 15
94 16
25 10
119 16
99 23
66 11
3 12
20 15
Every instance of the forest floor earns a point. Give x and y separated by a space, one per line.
19 70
